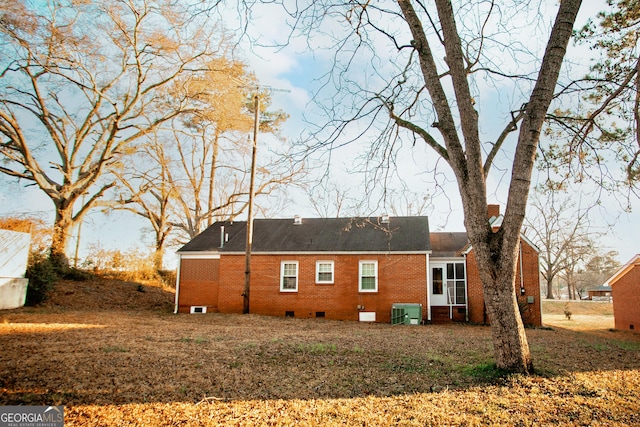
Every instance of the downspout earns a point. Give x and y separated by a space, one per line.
175 309
466 292
522 291
428 290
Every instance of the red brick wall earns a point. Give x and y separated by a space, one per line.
532 313
530 266
474 291
230 299
401 279
198 284
626 300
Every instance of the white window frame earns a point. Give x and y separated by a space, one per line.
324 282
282 276
360 265
455 281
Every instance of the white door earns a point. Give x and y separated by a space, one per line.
438 286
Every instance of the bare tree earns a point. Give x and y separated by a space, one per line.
426 93
195 170
560 228
597 269
211 146
189 177
82 81
335 199
146 189
587 266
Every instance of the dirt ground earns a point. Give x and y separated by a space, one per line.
114 354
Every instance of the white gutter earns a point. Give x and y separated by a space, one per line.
175 309
428 290
466 291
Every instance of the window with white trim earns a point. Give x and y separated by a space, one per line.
456 283
368 276
324 272
289 276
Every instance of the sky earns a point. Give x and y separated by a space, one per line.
296 69
297 72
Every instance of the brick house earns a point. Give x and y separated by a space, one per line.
625 290
343 268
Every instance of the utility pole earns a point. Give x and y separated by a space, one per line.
252 191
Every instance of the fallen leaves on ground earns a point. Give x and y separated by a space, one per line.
113 354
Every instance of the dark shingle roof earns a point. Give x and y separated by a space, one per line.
401 234
446 244
604 288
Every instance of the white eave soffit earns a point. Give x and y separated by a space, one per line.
288 253
199 255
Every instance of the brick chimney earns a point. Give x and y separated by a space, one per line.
493 211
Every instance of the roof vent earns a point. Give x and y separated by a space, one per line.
385 218
297 220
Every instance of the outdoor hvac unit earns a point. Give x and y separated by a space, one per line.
406 314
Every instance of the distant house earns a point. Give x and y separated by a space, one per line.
382 269
625 290
601 293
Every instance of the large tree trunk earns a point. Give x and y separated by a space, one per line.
550 289
510 342
496 252
511 350
158 257
62 228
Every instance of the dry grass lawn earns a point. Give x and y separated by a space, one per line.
113 354
595 317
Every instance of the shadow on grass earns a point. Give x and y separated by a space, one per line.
141 357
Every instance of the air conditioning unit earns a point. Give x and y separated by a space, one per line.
406 314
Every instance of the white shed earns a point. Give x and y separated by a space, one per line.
14 255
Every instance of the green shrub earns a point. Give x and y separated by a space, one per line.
42 274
